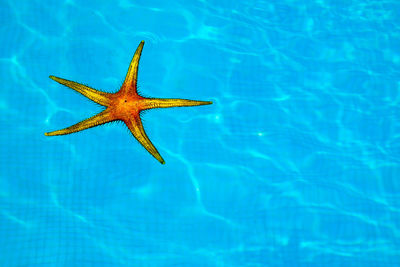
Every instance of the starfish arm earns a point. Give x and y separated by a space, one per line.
169 103
135 126
130 83
99 97
101 118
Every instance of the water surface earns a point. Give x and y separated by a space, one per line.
297 162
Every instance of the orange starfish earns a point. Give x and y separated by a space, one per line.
124 105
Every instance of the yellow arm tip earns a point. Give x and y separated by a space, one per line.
56 79
159 158
50 133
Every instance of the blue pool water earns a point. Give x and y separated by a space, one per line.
297 162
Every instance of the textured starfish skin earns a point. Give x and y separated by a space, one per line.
124 105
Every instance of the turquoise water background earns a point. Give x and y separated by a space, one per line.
297 162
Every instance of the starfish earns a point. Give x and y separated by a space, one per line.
125 105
